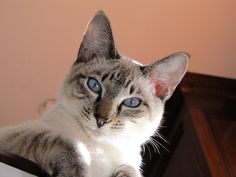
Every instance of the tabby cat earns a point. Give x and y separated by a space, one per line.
108 107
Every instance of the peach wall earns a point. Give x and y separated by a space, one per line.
39 42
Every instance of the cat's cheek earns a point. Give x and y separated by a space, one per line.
138 132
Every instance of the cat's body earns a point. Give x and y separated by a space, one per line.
108 106
96 159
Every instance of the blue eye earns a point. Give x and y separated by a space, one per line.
133 102
94 85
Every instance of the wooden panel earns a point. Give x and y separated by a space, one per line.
212 154
224 131
211 101
187 159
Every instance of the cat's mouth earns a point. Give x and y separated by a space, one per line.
94 131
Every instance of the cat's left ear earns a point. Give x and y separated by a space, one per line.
166 74
98 40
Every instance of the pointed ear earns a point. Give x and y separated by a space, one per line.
166 74
98 40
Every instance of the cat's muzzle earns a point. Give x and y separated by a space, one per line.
101 120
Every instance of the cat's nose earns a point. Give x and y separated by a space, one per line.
103 108
101 120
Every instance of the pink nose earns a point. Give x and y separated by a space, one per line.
101 121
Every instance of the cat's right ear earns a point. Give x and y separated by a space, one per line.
98 40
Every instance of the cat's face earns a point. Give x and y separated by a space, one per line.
113 97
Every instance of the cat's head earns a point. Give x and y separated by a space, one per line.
113 97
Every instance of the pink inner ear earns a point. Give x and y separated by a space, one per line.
160 88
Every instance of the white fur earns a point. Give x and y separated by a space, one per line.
102 157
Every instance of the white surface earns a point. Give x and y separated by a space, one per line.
8 171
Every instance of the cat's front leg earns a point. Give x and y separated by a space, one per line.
65 160
126 171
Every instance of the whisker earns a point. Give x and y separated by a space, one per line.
155 146
143 148
150 155
161 137
160 144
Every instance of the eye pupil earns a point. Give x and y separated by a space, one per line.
94 85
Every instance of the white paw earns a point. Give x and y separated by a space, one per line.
126 171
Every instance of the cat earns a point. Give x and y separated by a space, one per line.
109 105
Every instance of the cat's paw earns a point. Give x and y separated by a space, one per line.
126 171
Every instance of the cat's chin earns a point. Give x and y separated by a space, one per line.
94 132
98 134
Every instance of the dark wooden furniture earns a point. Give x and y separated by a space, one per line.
201 130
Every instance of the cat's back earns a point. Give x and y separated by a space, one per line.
53 129
12 138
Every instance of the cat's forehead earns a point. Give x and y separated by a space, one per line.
123 68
